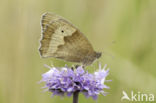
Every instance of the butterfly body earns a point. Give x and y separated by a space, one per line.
60 39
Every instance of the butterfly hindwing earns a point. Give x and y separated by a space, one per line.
75 49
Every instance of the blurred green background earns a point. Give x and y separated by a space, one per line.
125 29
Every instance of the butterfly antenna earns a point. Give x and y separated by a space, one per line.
108 54
112 43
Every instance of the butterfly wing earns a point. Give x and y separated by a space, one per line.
60 39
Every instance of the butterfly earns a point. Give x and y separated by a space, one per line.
62 40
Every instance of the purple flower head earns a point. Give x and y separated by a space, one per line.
66 81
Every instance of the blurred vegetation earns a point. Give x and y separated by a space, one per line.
129 24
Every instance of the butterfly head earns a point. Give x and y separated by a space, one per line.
98 55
